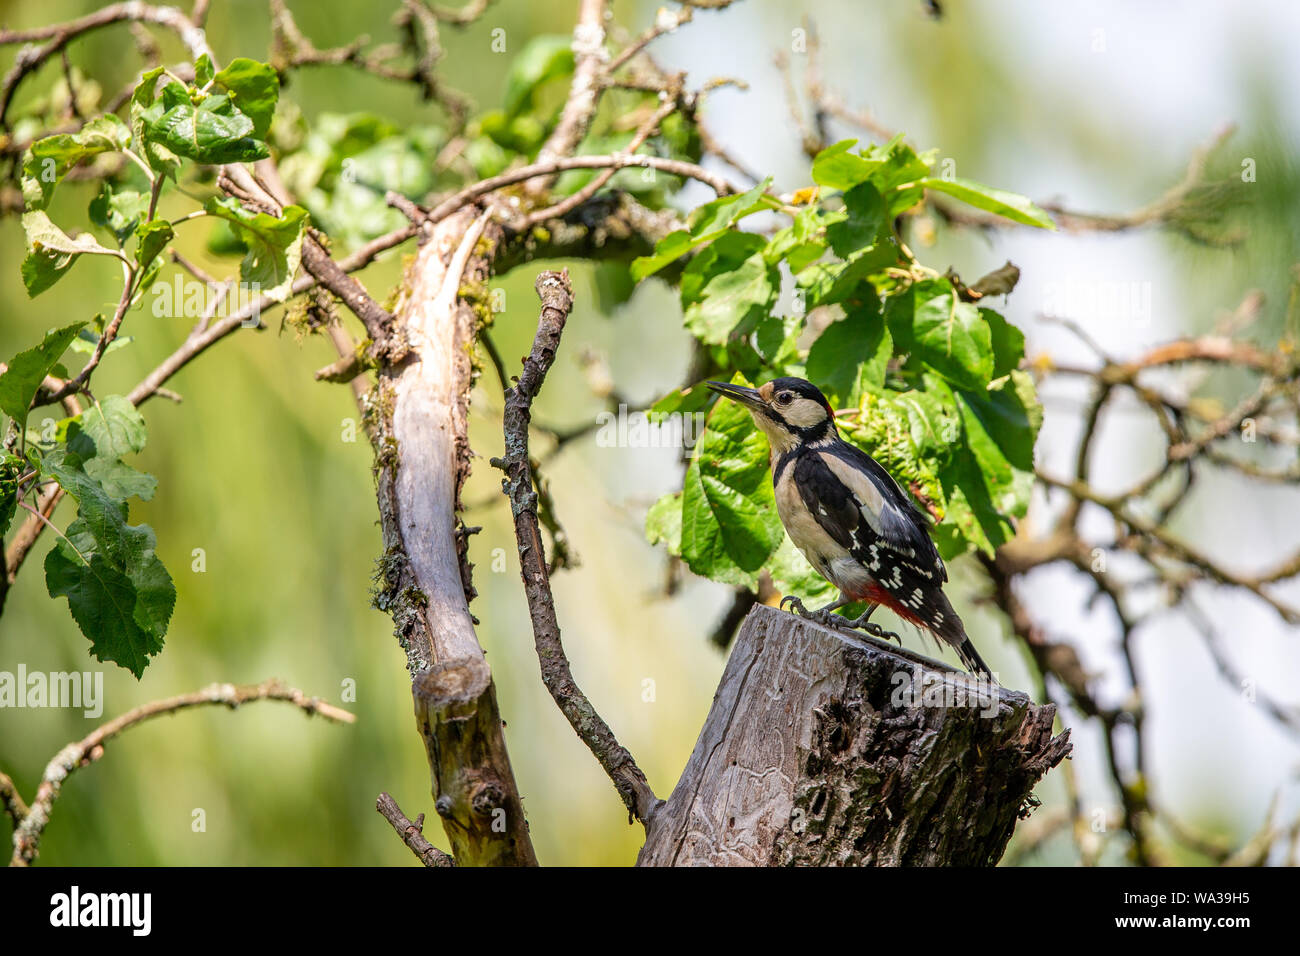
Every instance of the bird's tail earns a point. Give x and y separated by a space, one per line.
935 614
953 632
971 658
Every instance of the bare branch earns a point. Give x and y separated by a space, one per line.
568 204
557 300
27 835
61 34
412 833
616 161
589 59
13 802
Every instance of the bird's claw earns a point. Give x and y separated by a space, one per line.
827 618
818 616
877 631
863 624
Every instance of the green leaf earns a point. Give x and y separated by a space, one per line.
826 283
730 298
1008 343
52 252
682 401
120 481
899 174
862 225
663 522
711 221
724 254
1009 416
274 245
544 57
851 354
151 239
27 369
111 428
203 69
776 339
119 210
718 215
145 109
799 243
912 434
49 159
836 168
668 249
123 614
972 519
254 88
212 131
100 437
11 469
1008 205
729 522
118 591
951 337
990 475
146 90
792 574
87 341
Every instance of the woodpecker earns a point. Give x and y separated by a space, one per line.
850 518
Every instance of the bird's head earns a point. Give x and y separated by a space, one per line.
790 411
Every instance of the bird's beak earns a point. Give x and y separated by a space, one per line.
749 397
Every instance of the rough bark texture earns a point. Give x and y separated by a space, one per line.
824 748
556 294
419 427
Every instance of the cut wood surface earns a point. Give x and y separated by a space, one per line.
832 748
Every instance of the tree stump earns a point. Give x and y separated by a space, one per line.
829 748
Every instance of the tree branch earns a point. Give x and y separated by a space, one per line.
61 34
27 834
557 299
589 59
420 433
616 161
412 833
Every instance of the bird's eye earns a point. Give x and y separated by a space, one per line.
784 398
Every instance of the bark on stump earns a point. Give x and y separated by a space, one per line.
829 748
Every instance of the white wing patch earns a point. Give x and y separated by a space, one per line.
870 501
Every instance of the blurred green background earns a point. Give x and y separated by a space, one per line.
254 468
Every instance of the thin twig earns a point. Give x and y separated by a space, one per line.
616 161
13 802
412 833
27 835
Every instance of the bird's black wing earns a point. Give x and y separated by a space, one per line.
886 516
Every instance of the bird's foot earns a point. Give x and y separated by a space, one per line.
875 630
796 606
821 615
